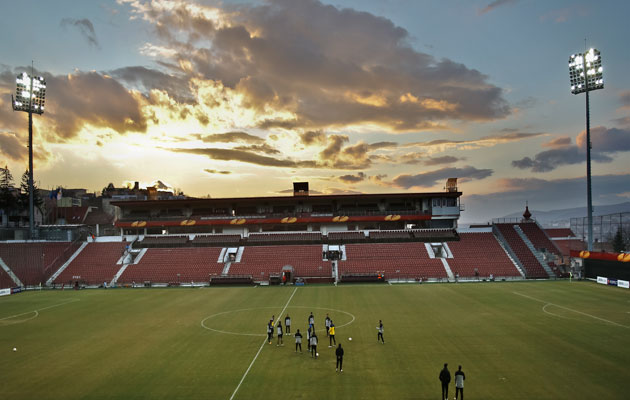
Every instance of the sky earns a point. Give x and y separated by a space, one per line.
242 98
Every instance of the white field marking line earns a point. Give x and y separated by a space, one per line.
575 311
37 311
203 321
261 347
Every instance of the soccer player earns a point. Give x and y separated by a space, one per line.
339 353
311 319
280 342
269 331
308 338
331 334
327 323
298 341
459 382
287 324
313 345
379 337
445 378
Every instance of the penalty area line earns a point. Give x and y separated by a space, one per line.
572 310
261 347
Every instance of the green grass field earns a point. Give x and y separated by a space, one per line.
527 340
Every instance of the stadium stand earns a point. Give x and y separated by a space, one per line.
303 237
5 280
435 235
346 237
175 265
532 267
480 255
390 235
259 261
403 260
217 239
162 241
559 232
94 265
538 237
32 262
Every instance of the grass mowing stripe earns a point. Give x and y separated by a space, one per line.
261 346
572 310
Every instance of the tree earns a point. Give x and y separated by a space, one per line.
617 242
7 199
23 198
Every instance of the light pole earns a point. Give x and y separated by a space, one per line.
585 74
30 95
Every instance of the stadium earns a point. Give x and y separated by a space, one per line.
186 289
306 199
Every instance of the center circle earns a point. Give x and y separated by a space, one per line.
207 326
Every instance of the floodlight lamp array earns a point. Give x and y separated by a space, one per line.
25 93
586 69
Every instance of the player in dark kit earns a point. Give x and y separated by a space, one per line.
379 337
298 341
445 378
313 345
339 353
459 383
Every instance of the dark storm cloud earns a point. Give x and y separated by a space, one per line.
84 26
605 143
433 178
12 147
316 61
495 4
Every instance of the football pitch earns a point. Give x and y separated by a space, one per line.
521 340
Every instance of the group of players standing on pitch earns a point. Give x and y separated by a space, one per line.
311 336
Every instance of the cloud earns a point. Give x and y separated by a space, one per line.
561 141
350 179
146 79
12 147
318 66
624 99
260 148
214 171
433 178
542 194
248 157
85 27
564 14
313 137
605 142
229 137
484 141
495 4
441 160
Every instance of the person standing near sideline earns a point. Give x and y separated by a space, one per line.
445 378
287 324
269 332
339 353
331 334
298 341
311 319
327 323
459 382
279 327
313 345
379 337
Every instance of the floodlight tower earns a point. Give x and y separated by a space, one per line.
30 95
585 74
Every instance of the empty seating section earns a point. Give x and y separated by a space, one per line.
224 239
533 269
559 232
405 260
285 237
94 265
349 235
434 234
5 280
29 261
260 261
390 235
538 237
483 253
175 265
163 240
